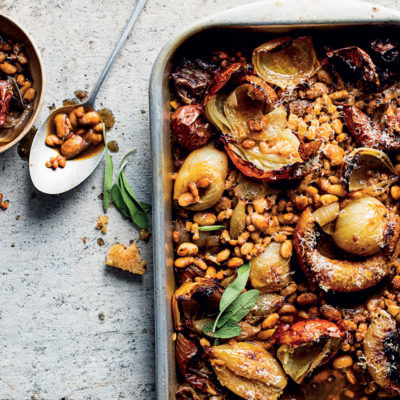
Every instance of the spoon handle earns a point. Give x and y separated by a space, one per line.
135 13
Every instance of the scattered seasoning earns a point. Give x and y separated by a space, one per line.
52 107
100 196
101 316
24 146
12 244
70 102
143 111
33 195
17 217
100 241
107 117
81 94
144 331
144 235
113 146
84 240
102 222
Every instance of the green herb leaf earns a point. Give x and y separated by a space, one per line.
208 328
146 206
108 176
138 214
233 290
239 308
229 330
116 197
210 228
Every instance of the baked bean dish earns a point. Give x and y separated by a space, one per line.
16 89
286 228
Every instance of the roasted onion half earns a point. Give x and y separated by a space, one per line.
381 350
367 170
306 345
286 61
339 275
248 370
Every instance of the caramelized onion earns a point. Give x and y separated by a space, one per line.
285 61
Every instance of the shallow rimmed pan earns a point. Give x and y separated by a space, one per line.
250 21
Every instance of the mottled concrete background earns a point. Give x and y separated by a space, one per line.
70 326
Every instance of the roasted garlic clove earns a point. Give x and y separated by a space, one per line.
360 227
307 345
248 370
208 165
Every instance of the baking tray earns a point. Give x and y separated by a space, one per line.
246 22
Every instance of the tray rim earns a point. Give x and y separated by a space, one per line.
246 16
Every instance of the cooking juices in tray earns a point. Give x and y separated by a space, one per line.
286 226
17 91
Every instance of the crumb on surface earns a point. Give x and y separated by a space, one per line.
84 240
3 204
100 241
102 222
144 235
126 258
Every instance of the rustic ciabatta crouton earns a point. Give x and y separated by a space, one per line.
126 258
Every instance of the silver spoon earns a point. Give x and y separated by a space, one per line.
61 180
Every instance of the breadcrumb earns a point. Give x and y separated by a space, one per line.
102 222
3 204
126 258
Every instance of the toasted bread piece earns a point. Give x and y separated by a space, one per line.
126 258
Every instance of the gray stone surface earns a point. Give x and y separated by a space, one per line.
70 326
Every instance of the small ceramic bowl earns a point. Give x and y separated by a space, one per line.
16 32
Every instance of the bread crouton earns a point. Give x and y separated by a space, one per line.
126 258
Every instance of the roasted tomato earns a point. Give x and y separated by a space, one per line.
306 345
368 133
191 80
189 128
5 97
355 62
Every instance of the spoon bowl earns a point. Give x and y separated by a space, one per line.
60 180
76 170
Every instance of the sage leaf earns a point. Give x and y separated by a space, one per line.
117 199
239 308
146 207
233 290
138 214
210 228
229 330
208 328
108 176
